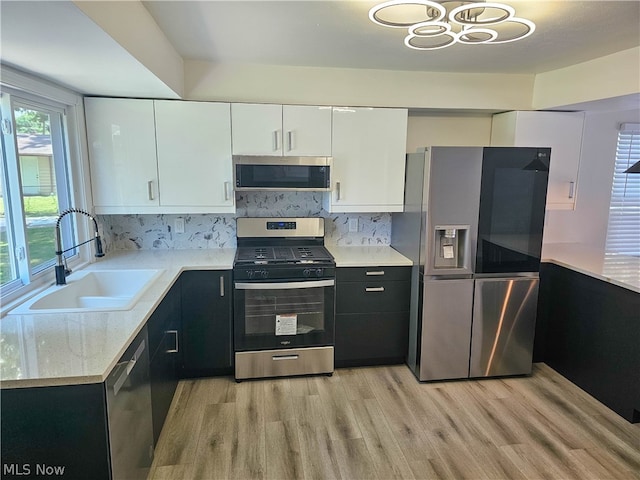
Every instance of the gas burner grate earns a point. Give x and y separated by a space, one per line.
305 252
260 253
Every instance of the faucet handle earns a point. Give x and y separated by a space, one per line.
99 252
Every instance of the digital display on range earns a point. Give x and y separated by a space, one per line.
281 225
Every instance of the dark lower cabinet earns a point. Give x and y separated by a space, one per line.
207 347
588 331
100 431
372 315
165 355
64 431
55 431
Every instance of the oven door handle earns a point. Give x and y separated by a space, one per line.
284 285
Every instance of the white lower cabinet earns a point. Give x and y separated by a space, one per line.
369 148
562 131
159 156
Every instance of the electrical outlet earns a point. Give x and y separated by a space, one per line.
178 225
353 224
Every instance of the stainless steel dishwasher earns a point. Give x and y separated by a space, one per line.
129 413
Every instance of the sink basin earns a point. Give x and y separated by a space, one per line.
90 291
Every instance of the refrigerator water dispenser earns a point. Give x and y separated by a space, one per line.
451 250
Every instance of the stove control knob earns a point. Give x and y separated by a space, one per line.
306 272
318 272
264 274
249 274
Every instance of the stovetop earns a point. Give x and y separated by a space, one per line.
283 263
279 255
282 249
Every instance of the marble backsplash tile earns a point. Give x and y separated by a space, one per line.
146 232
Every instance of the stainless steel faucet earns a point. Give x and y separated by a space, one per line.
61 270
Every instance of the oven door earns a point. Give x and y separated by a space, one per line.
271 315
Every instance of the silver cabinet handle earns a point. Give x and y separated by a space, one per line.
285 357
572 186
337 190
227 190
174 349
374 289
290 140
150 188
276 140
375 273
221 286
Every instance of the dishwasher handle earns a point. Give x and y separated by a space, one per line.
129 366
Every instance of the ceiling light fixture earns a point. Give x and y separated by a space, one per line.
432 25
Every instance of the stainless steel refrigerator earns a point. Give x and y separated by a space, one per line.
472 225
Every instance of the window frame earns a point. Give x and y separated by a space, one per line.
625 195
33 92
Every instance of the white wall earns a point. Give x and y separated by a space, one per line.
610 76
133 27
587 224
458 130
356 87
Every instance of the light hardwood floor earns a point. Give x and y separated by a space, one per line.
380 423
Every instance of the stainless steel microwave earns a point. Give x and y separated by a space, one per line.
282 173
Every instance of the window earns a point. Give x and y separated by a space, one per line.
34 187
623 235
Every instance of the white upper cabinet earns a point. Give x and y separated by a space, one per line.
194 155
306 130
292 130
562 131
122 153
159 156
369 148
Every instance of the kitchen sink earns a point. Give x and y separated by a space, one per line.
89 291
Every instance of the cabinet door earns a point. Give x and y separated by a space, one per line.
369 146
206 323
122 154
194 154
371 339
562 131
306 130
163 328
256 129
64 426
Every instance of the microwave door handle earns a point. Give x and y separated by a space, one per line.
284 285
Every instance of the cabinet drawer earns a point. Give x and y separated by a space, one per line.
372 297
371 339
365 274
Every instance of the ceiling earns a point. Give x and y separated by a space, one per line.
340 34
56 40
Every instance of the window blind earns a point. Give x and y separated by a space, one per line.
623 234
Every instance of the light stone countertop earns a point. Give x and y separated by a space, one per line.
79 348
620 270
367 256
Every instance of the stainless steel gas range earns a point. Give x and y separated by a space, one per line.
284 294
